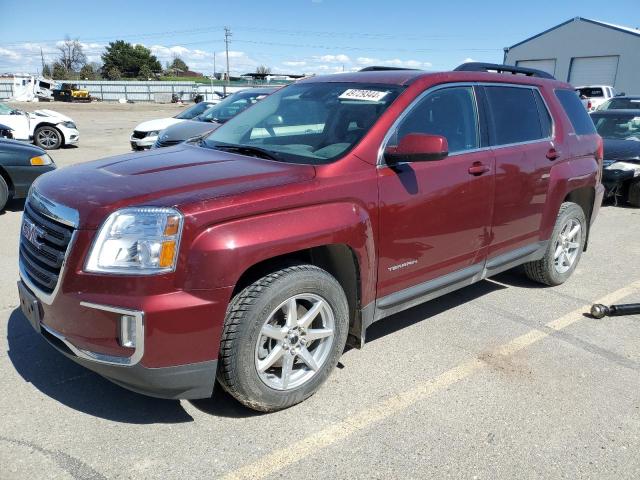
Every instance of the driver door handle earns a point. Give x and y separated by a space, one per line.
478 169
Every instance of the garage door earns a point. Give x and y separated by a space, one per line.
548 65
593 70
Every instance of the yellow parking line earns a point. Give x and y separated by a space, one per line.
281 458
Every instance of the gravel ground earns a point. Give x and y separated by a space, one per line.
502 379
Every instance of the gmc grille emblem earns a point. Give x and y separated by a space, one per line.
32 232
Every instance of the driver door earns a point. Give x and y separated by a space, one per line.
435 216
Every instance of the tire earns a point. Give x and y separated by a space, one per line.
554 270
252 364
4 193
633 196
48 137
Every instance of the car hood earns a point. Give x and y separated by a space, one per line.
157 124
50 115
187 129
616 150
186 174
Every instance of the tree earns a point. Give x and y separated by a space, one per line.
178 65
46 71
59 71
145 73
113 73
90 71
128 59
72 57
263 70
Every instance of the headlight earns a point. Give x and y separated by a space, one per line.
137 241
153 133
41 160
70 125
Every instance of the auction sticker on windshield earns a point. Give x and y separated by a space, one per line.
367 95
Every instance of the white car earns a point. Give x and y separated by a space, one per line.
593 96
146 134
46 128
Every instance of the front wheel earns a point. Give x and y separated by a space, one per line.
283 336
564 250
47 137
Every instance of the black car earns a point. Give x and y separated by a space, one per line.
20 165
212 118
620 130
627 102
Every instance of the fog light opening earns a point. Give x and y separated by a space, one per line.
128 331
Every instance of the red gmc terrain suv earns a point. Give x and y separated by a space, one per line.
254 255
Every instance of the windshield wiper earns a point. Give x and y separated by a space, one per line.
247 150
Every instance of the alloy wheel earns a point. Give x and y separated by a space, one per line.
295 341
567 245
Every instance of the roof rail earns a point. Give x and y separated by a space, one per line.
494 67
382 69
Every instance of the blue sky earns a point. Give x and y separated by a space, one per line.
293 36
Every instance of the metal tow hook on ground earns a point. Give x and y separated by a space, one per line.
600 311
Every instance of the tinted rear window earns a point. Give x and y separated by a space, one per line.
590 92
514 115
576 112
622 103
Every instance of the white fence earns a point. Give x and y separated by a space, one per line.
139 91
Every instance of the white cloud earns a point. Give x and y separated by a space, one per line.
294 63
340 58
468 60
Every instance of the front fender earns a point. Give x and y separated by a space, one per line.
219 255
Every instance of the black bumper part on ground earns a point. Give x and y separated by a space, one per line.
191 381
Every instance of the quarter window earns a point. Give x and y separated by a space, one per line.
449 112
576 112
514 116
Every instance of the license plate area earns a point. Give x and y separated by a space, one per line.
30 306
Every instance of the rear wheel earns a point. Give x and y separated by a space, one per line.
564 250
634 194
4 193
283 336
47 137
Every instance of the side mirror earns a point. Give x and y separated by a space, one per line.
274 121
418 147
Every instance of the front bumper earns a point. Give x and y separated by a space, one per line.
71 135
187 380
143 143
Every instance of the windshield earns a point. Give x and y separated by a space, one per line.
590 92
193 110
621 103
307 122
230 107
623 127
4 110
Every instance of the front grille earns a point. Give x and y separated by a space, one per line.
138 134
166 143
43 254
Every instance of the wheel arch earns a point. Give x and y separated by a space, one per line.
584 197
49 124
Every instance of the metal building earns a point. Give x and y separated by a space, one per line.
584 52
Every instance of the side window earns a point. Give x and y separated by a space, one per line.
450 112
513 115
576 112
545 118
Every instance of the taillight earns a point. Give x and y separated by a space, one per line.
589 105
600 150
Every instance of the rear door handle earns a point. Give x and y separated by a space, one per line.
478 169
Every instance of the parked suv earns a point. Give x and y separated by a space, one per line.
256 255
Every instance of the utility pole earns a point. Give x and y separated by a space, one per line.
214 64
42 57
227 34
